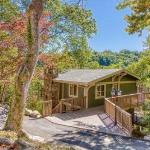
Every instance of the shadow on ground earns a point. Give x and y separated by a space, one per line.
100 141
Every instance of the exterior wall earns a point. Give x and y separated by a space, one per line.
126 88
80 91
129 88
108 90
66 91
128 78
92 102
60 91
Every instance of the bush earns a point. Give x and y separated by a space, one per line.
34 104
137 133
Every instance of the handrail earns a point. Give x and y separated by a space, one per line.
121 96
116 110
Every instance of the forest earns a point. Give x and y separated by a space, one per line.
39 33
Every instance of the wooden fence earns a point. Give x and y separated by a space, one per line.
115 107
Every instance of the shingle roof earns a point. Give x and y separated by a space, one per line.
84 75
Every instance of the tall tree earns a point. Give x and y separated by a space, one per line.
26 70
39 23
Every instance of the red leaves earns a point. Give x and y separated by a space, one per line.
47 60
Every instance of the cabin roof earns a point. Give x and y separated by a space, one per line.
85 76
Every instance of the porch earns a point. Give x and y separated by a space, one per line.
92 119
111 115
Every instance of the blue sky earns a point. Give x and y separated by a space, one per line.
111 27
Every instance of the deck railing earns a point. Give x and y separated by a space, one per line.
71 104
119 116
115 107
64 105
127 101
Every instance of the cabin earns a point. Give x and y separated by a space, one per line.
95 85
116 89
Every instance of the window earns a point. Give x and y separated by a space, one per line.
73 90
100 91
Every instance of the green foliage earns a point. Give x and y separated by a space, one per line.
146 118
137 133
142 68
66 61
34 104
70 21
35 92
8 10
147 43
121 59
139 18
29 37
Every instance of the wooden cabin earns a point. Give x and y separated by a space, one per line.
95 85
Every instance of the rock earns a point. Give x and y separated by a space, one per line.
23 145
28 112
147 137
38 139
6 141
39 116
34 114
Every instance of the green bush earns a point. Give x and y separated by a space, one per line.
137 133
34 104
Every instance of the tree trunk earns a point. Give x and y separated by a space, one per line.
26 70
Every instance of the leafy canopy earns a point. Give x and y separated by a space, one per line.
139 18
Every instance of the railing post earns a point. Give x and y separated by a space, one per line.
115 115
50 108
61 106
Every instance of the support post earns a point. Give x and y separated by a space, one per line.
86 96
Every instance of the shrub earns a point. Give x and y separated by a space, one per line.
137 133
34 104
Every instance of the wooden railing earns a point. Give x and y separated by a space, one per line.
69 104
115 107
119 116
73 103
128 101
46 108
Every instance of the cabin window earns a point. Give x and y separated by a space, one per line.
100 91
73 90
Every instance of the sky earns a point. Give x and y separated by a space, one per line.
111 27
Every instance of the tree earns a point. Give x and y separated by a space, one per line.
139 18
121 59
147 43
40 23
81 52
26 70
142 68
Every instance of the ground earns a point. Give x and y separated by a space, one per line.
88 139
92 118
83 139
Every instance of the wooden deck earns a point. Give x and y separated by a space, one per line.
116 108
